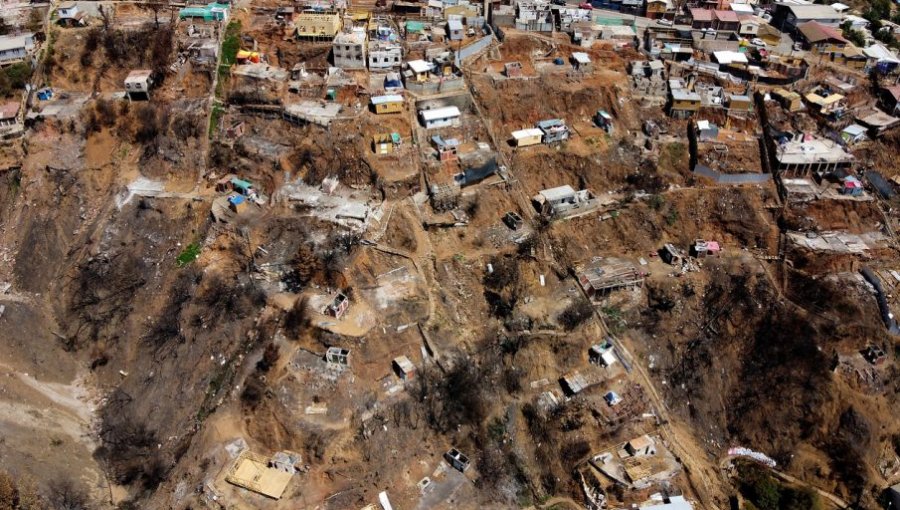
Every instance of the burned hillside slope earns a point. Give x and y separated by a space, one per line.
748 366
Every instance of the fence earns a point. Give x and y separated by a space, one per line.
731 179
476 47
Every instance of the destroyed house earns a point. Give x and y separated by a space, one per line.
573 384
512 69
563 201
831 105
404 368
611 275
338 306
671 255
476 174
554 130
337 356
259 474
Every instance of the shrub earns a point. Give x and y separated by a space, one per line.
576 314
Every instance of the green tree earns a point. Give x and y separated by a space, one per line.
766 493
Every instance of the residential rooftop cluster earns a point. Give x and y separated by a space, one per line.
473 223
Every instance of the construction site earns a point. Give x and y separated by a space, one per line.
446 255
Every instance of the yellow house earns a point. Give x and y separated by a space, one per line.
658 8
685 100
317 24
466 11
387 104
791 101
385 143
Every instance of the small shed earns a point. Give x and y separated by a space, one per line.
404 368
385 143
604 120
456 30
573 384
338 356
602 354
612 399
526 137
641 446
387 104
853 133
241 186
338 306
555 130
581 61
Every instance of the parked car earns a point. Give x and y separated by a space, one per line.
456 459
758 42
513 220
585 5
665 22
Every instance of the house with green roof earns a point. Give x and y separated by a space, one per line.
209 12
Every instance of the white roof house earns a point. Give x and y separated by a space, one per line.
527 133
454 25
448 112
730 57
558 193
880 53
581 57
420 66
672 503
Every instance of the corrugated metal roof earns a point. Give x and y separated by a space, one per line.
440 113
393 98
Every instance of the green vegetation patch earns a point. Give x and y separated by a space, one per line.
188 254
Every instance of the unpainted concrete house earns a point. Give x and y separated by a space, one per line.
349 50
564 201
138 85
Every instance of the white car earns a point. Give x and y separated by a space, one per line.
758 42
665 22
